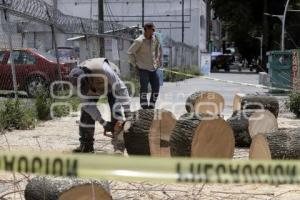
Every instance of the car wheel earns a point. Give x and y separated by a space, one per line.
34 84
214 69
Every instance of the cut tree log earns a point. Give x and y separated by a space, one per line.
205 102
55 188
149 133
248 123
280 144
262 122
203 136
256 101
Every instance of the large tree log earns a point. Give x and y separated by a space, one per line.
202 135
205 102
248 123
262 122
50 188
280 144
256 101
149 133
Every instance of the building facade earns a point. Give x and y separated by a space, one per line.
167 16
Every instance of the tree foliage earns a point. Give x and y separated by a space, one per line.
243 19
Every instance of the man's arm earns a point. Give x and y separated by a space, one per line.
132 52
119 89
90 107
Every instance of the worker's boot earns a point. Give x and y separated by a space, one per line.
84 148
86 140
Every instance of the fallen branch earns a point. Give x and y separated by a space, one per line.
8 193
244 193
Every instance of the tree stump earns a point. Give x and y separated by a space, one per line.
248 123
149 133
281 144
256 101
203 136
51 188
205 102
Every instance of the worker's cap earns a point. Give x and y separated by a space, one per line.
74 74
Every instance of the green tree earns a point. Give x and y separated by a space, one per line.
244 19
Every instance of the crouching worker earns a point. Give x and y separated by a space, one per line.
94 78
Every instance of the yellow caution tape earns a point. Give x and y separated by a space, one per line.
168 170
228 81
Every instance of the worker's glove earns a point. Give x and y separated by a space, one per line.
108 127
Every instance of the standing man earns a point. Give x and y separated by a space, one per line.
93 79
145 55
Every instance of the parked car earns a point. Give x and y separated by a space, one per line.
221 61
33 69
68 54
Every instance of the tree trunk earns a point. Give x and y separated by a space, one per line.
149 133
205 102
50 188
201 135
256 101
281 144
248 123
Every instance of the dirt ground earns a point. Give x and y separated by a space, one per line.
62 135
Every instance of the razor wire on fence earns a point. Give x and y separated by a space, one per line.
40 11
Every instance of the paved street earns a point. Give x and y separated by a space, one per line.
176 93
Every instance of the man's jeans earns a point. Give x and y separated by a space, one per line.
147 77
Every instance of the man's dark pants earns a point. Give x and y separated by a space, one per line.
147 77
87 125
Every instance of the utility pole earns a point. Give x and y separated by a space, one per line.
265 33
54 40
182 38
282 18
101 27
143 13
55 9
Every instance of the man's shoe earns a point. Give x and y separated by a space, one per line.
84 149
151 107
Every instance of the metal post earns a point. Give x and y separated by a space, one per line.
55 10
261 48
56 52
283 25
182 37
54 42
101 27
13 67
143 13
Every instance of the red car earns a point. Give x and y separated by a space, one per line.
33 69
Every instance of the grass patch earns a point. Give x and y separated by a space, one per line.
174 77
15 116
293 103
62 108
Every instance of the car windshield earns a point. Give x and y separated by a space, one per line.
46 55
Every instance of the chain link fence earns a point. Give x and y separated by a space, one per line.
40 45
